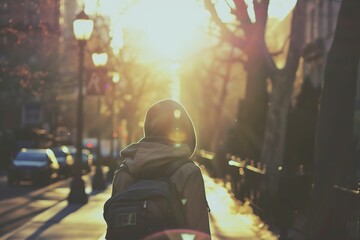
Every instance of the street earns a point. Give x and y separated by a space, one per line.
22 202
26 208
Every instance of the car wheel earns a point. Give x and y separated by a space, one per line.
47 180
43 181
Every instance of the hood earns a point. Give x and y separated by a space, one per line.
169 119
148 156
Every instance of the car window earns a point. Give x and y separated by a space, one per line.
59 153
31 156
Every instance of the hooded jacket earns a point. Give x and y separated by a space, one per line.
157 150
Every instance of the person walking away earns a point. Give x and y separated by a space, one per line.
164 152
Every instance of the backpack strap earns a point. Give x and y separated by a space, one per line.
174 166
162 172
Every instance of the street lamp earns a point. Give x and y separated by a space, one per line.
98 183
112 164
83 27
99 59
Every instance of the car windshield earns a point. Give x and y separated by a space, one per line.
31 156
59 153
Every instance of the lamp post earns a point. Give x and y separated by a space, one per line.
115 80
113 160
83 27
99 60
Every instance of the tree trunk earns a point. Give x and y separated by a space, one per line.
334 150
217 119
283 80
252 111
276 122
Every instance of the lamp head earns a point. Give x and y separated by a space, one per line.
83 27
99 58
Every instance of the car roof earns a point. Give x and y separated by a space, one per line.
61 148
30 150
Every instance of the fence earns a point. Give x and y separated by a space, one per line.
346 220
248 183
286 208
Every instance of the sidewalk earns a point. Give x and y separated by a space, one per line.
229 219
67 221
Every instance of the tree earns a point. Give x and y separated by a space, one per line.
209 98
29 57
139 80
335 161
260 111
212 79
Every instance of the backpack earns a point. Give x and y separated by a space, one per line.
151 204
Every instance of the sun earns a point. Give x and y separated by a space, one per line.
163 31
173 28
168 28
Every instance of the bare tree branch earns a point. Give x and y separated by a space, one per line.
261 12
227 34
241 12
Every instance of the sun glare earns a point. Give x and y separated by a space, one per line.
169 28
175 81
280 8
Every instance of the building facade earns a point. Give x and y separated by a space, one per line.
29 43
38 64
321 21
321 17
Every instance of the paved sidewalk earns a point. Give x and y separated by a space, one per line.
230 220
67 221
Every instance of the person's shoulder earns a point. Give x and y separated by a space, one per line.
190 167
190 164
122 179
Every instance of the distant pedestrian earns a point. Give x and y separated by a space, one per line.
162 154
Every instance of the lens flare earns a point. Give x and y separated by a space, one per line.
179 234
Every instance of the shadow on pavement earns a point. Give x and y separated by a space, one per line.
55 219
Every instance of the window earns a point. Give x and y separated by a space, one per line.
32 114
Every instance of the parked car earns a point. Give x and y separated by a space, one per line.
65 159
37 165
93 152
87 159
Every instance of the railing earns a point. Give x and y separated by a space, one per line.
283 208
346 220
252 186
252 182
248 182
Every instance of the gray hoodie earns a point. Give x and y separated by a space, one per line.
145 155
